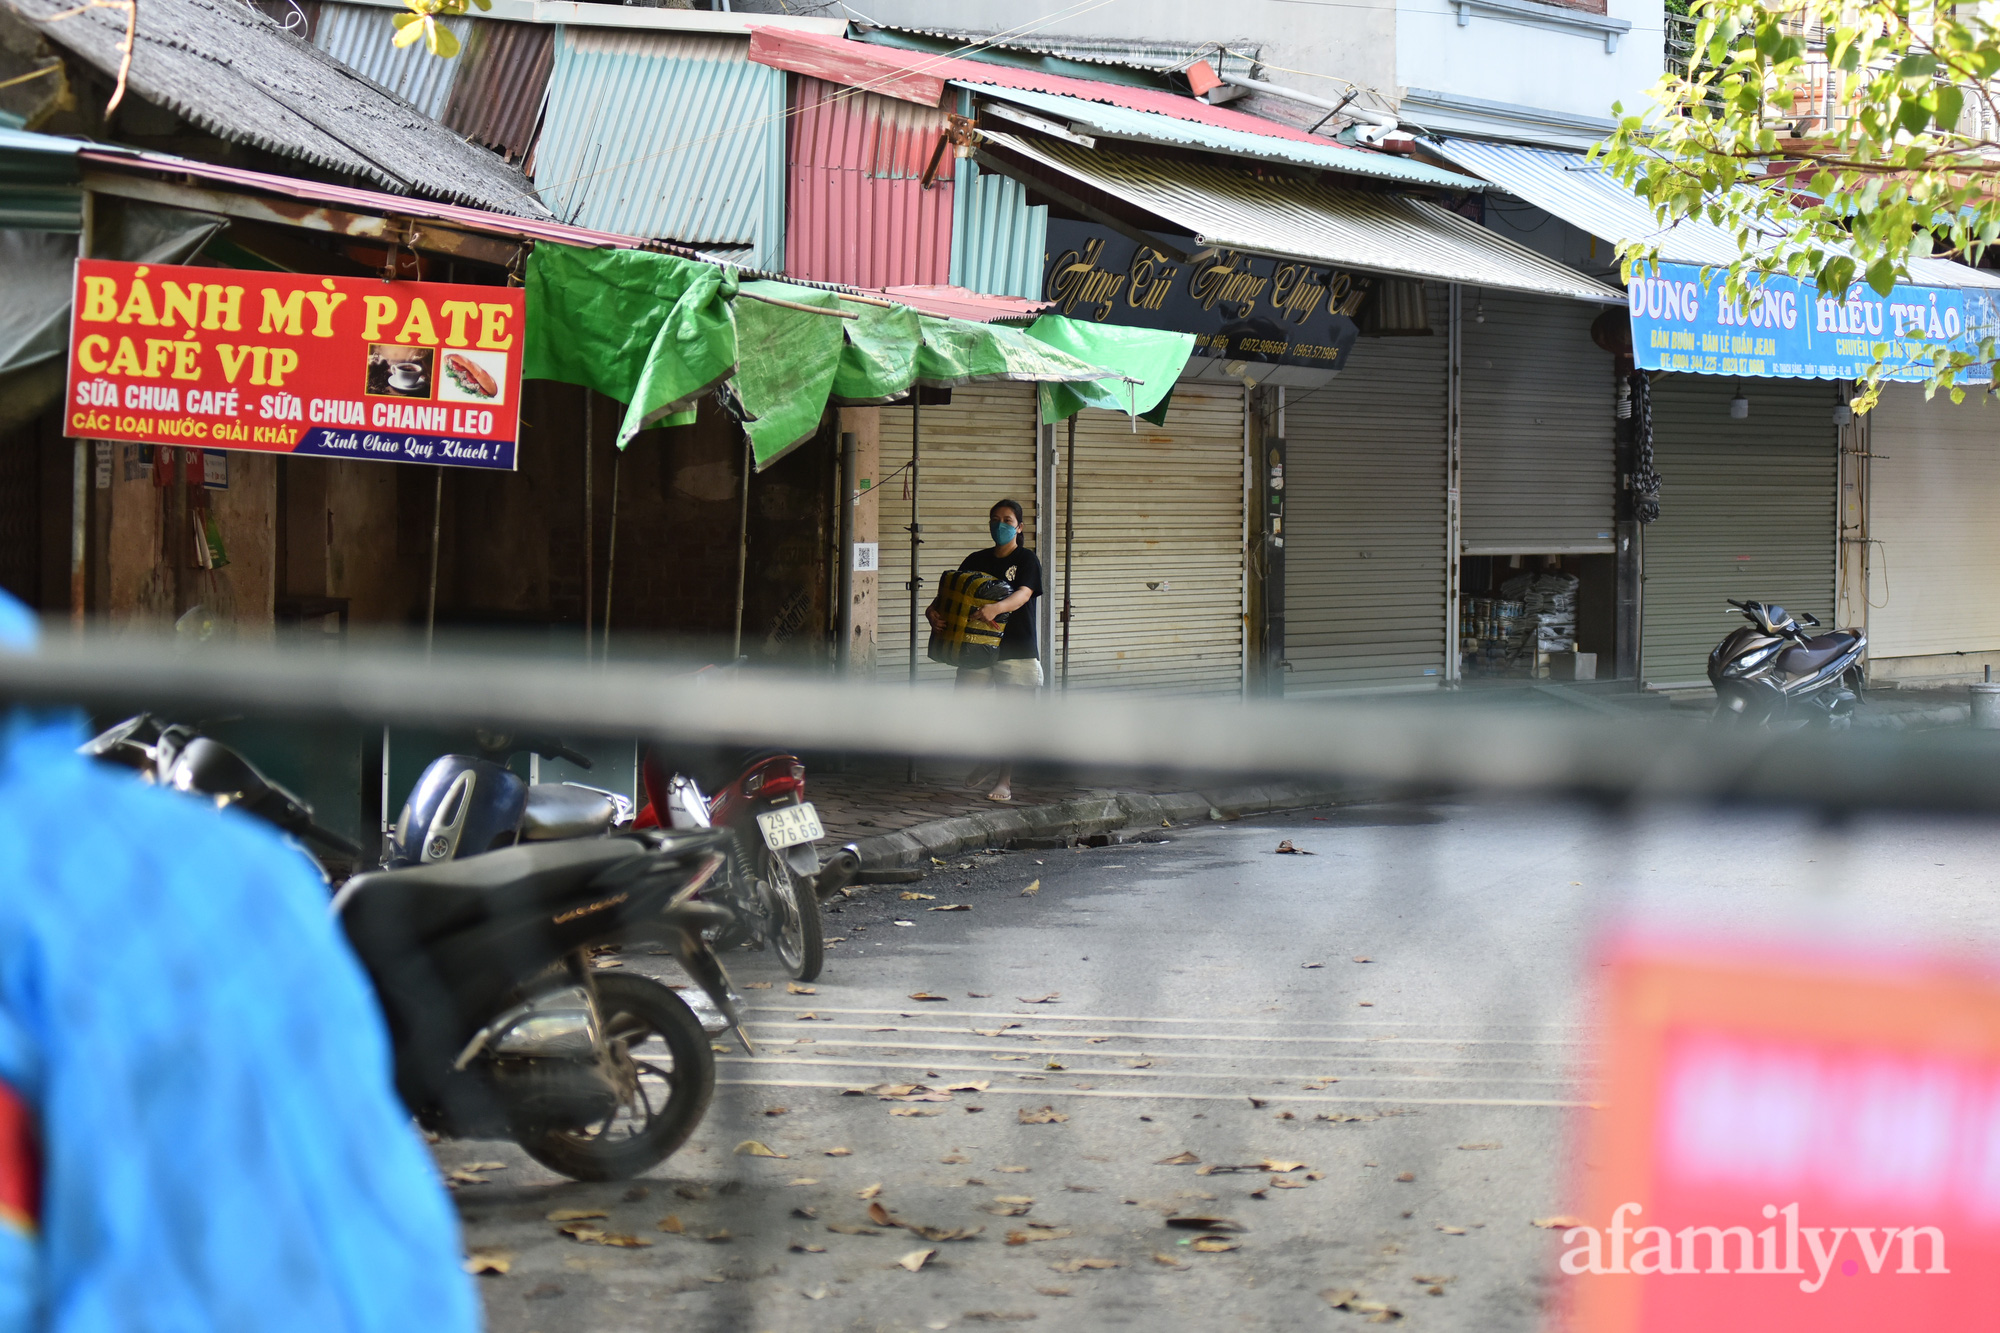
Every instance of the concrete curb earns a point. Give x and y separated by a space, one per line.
1098 813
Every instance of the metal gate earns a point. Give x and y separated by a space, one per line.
1365 545
1159 532
1537 473
977 451
1747 510
1932 486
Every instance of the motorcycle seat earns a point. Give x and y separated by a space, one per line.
393 907
1816 652
559 810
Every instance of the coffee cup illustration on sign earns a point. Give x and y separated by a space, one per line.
400 372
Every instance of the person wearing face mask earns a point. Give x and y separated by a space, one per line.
1020 665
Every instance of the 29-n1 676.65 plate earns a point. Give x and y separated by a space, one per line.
790 825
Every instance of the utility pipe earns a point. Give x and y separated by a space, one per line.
743 546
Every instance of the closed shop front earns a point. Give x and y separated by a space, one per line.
1365 541
1158 596
1933 486
976 451
1746 511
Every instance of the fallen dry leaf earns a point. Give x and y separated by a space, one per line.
1214 1244
805 1018
1310 966
1431 1281
1013 1170
1204 1224
954 1159
817 1293
912 1111
1078 1265
1050 998
497 1263
1168 1260
1407 1177
880 1215
1001 1208
976 1085
585 1233
1258 1103
752 1148
868 1192
1477 1147
925 995
1055 1064
1339 1297
800 1247
911 896
777 1110
1039 1231
950 907
916 1259
1053 1291
984 995
1281 1167
1000 1316
993 1032
850 1229
1365 1004
1279 1182
671 1224
1451 1230
1032 889
1287 848
1179 1159
809 1214
1563 1222
756 985
941 1233
575 1214
794 988
1363 958
1047 1115
838 1152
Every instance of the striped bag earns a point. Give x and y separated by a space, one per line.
964 641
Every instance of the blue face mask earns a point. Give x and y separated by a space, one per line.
1003 532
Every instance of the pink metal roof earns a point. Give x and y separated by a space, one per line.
964 303
916 76
856 210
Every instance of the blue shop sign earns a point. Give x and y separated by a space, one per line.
1787 330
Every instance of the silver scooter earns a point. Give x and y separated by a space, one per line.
1770 673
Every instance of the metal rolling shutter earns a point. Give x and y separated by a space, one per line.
977 451
1158 601
1931 487
1365 519
1537 475
1747 510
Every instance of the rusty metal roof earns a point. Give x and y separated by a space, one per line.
960 303
497 98
231 71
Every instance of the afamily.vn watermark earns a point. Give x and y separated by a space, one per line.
1774 1250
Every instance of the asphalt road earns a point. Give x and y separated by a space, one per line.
1386 1127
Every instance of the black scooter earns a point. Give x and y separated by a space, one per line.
1769 673
501 1027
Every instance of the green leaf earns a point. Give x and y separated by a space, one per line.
1913 115
444 43
1916 65
1882 275
1950 105
408 31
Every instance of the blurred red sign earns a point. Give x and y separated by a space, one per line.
214 358
1791 1141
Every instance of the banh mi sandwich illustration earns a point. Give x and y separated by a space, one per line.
469 377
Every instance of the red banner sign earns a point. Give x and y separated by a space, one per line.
1791 1142
211 358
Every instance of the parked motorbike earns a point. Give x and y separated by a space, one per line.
465 804
180 757
1770 673
774 877
500 1025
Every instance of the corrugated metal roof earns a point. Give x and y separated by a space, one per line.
1119 122
1587 196
856 209
1315 222
496 100
363 40
1113 53
997 240
657 134
954 302
230 71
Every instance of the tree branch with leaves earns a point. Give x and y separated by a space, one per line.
1835 140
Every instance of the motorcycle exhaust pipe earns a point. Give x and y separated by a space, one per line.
839 871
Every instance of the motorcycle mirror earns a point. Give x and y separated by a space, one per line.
213 769
1809 618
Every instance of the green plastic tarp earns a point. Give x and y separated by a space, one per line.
656 331
1154 358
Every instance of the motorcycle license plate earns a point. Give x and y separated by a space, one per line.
790 825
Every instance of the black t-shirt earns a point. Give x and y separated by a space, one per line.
1020 568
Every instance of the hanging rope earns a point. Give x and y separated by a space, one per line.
1645 481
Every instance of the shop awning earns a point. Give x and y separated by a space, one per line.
656 331
1587 196
1310 221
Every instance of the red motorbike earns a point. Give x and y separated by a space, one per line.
774 878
